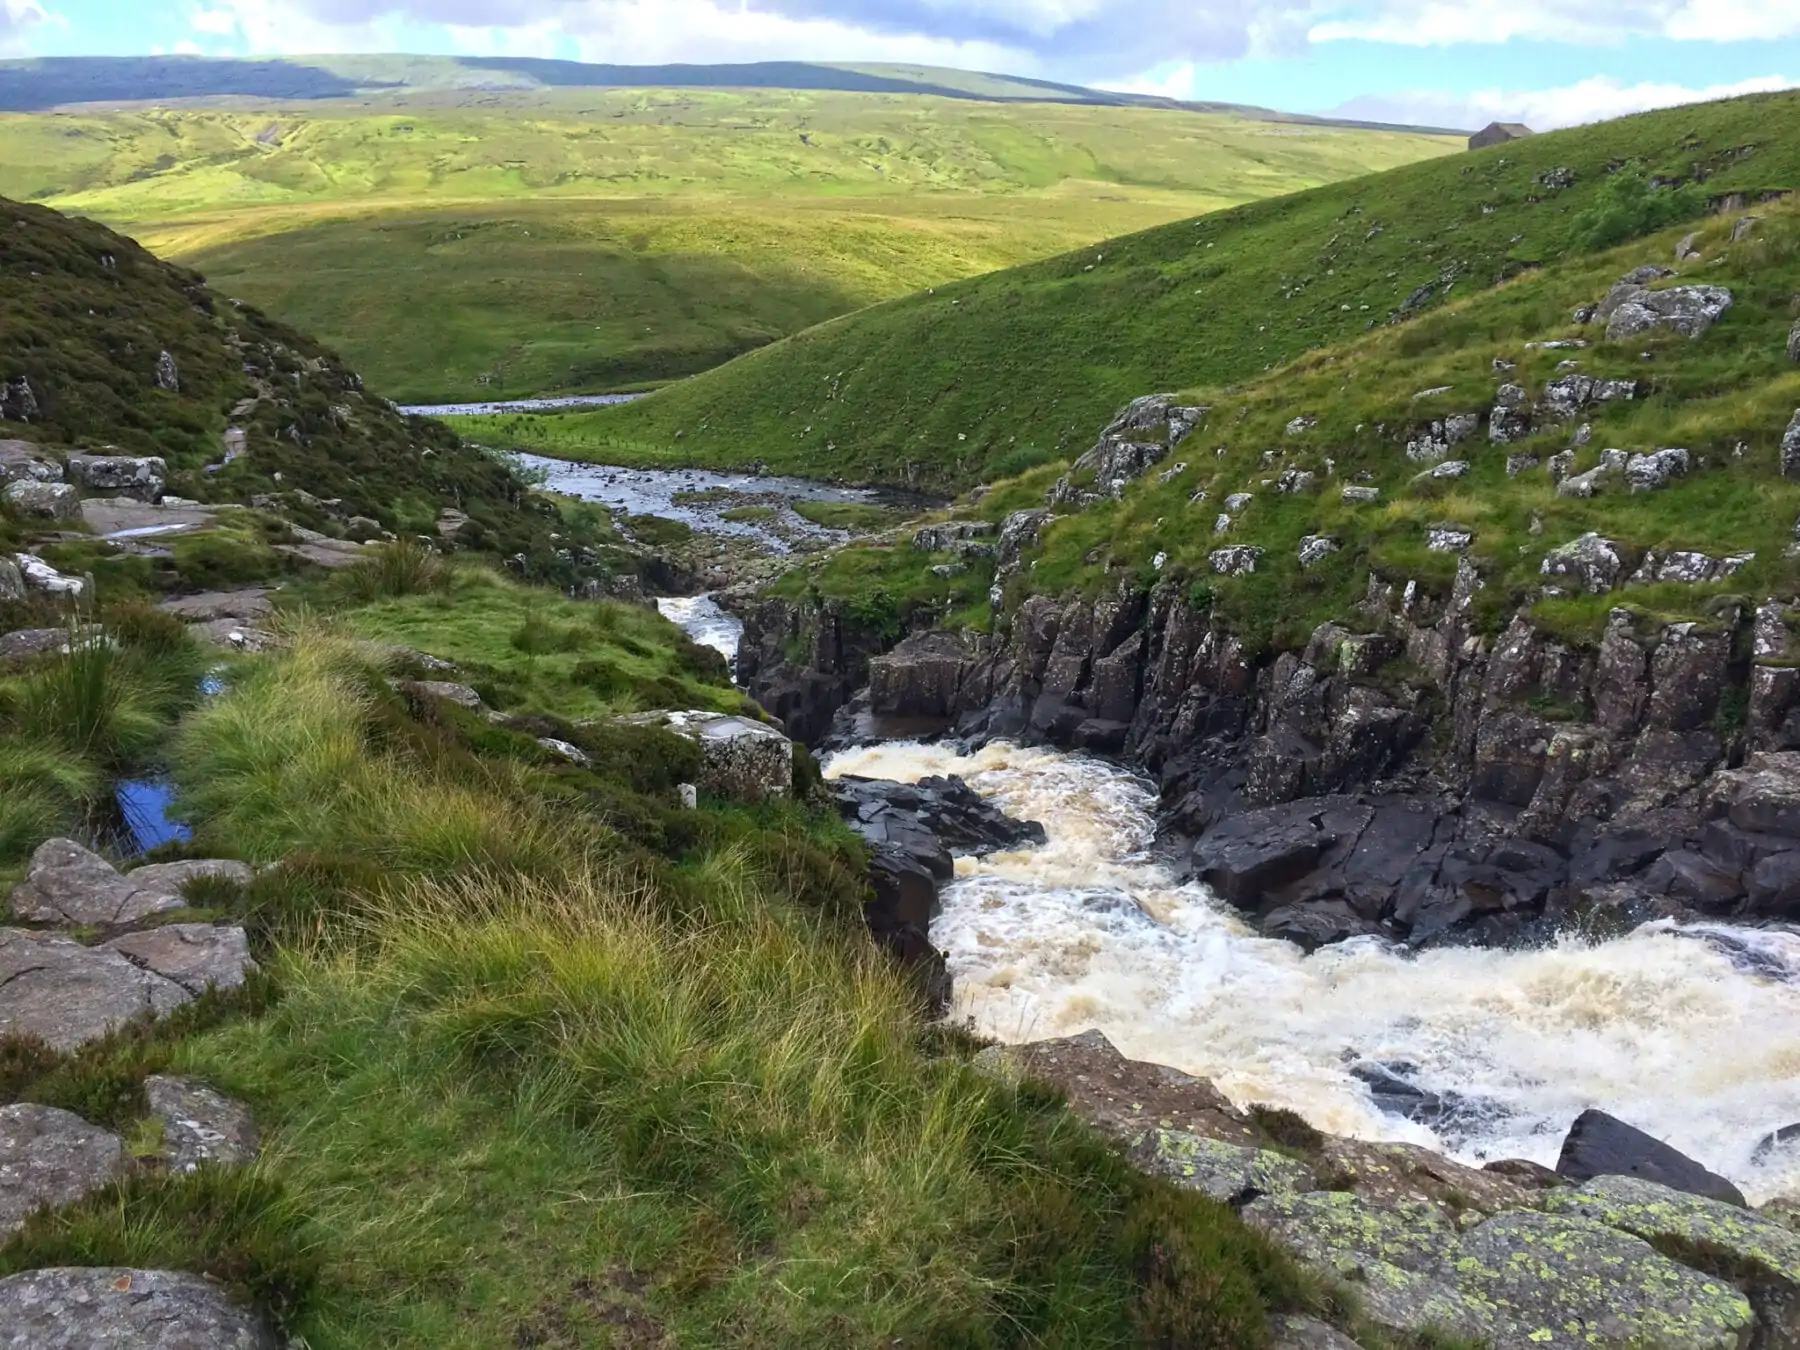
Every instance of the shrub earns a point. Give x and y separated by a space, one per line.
1627 207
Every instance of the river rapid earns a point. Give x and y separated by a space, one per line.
1690 1033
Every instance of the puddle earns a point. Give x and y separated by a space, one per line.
144 803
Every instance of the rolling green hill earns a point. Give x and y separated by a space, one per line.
461 243
987 377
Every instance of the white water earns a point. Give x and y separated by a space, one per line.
705 622
1660 1028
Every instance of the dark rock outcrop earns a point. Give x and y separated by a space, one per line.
1599 1145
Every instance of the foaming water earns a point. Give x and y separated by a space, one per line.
705 622
1690 1033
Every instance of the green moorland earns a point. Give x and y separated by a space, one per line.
982 379
479 244
539 1056
1726 397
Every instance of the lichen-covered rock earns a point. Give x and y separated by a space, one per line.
72 885
139 476
12 582
1590 562
41 576
88 1307
1448 539
42 501
67 994
197 956
50 1157
1688 310
1790 449
739 758
1518 464
1303 1333
1236 560
1227 1172
1652 472
200 1124
1355 493
951 535
1563 398
21 460
1315 548
1562 1281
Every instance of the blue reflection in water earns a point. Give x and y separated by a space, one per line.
145 805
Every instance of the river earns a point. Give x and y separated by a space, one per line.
517 405
1692 1034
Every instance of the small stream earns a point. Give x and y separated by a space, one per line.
517 405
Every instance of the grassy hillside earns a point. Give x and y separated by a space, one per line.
1726 398
986 377
458 245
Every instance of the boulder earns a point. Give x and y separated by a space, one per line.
1315 548
946 811
1564 398
18 400
1303 1333
41 576
443 691
41 501
138 476
1236 560
1599 1145
50 1157
71 885
1448 539
1510 418
67 994
949 536
1256 851
196 956
741 759
1232 1173
167 376
1790 449
1652 472
1518 464
920 677
12 582
200 1125
1793 343
1354 493
85 1307
25 460
1688 310
1591 563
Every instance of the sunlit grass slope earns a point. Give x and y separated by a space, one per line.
474 244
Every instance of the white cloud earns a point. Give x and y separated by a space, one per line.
218 22
1591 100
1442 23
17 17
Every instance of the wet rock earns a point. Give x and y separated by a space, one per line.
138 476
67 994
1590 563
739 758
50 1157
71 885
86 1307
1688 310
1232 1173
1763 796
1652 472
948 810
1256 851
41 501
196 956
1600 1145
200 1125
1235 561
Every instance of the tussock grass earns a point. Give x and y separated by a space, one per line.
399 568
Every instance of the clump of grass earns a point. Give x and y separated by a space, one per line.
400 567
1287 1129
239 1227
42 789
856 517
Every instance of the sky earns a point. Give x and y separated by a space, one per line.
1459 63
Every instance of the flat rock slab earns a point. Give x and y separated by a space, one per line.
200 1124
197 956
67 994
50 1157
210 606
87 1307
332 554
1232 1173
118 517
1302 1333
69 884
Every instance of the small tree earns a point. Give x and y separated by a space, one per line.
1628 205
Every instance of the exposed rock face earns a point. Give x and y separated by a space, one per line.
1505 1256
12 581
50 1157
80 1308
1235 561
739 758
71 885
27 461
921 677
1138 439
1589 563
954 536
200 1125
141 477
1688 310
42 501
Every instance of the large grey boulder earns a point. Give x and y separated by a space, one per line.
1655 471
1688 310
41 576
96 1307
12 581
1235 561
41 501
24 460
200 1125
197 956
67 994
50 1157
71 885
739 758
139 476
